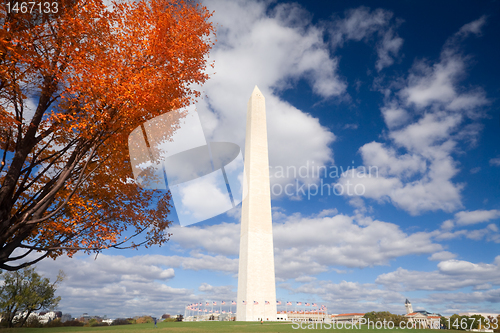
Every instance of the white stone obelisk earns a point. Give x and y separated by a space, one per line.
256 279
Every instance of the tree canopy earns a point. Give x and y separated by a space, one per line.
24 292
385 315
73 85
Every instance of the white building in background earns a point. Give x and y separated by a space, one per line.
307 316
66 317
350 317
43 317
422 319
18 316
484 314
46 317
282 316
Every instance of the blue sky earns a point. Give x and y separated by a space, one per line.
406 88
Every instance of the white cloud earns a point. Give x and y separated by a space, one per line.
396 180
495 161
347 296
432 84
362 24
447 225
468 218
387 49
115 285
468 101
443 255
473 27
318 243
437 85
476 301
350 126
389 163
328 212
451 275
359 24
476 216
378 188
121 286
429 136
193 206
394 115
200 261
312 244
221 238
223 293
475 170
489 233
305 278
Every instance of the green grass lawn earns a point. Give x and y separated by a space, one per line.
185 327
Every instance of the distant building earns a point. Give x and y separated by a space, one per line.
225 317
203 317
351 317
282 316
45 317
422 318
316 316
84 318
484 314
66 317
21 315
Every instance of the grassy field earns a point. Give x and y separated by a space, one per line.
186 327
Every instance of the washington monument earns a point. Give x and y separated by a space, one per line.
256 280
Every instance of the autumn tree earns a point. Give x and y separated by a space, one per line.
462 323
23 292
73 84
385 315
144 320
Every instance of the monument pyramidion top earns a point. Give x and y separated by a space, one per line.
256 92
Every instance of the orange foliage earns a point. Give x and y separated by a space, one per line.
73 85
